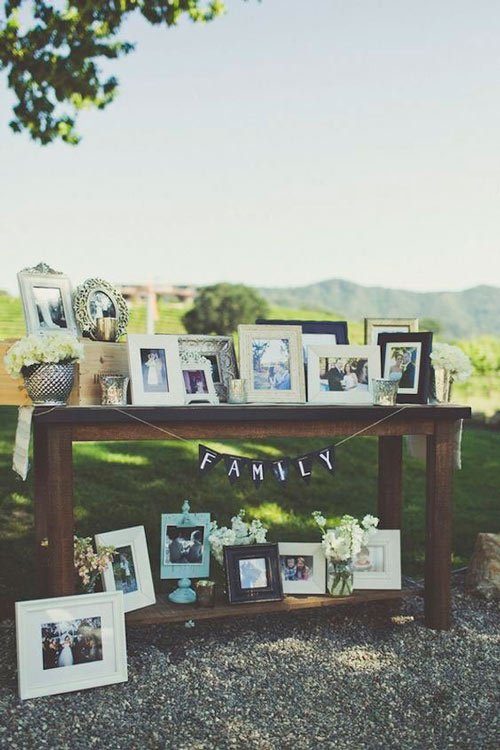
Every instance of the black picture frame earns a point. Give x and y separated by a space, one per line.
336 327
422 370
267 556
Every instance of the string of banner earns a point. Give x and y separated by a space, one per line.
258 469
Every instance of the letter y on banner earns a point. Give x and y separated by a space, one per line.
326 457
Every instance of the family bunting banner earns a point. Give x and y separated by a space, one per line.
236 467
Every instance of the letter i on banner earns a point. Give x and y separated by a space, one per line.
234 467
280 470
326 457
207 458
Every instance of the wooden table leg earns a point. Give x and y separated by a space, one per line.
438 526
59 468
40 461
390 481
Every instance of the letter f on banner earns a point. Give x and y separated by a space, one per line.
207 459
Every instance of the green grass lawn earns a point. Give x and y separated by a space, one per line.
126 484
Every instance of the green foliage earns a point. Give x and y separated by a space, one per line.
51 56
220 308
484 353
429 324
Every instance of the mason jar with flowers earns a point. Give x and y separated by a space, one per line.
341 544
47 364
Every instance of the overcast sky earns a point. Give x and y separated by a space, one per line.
285 143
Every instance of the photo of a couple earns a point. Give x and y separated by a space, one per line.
402 365
184 545
124 570
271 364
343 374
49 307
71 642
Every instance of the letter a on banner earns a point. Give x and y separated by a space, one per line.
326 457
257 472
304 466
207 459
234 467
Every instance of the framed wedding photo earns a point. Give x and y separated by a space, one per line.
271 363
406 359
374 326
130 569
253 573
378 564
70 643
342 374
303 567
219 350
47 299
155 370
185 549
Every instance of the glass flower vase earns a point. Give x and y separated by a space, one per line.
340 578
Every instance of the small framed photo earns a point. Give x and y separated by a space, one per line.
374 326
155 370
253 573
197 376
315 332
219 350
271 363
342 374
130 570
303 567
185 549
406 359
47 300
378 564
70 643
96 298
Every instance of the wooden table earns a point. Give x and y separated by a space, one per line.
55 431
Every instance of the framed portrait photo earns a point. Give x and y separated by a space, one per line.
47 299
219 350
378 564
342 374
271 363
315 332
185 549
155 370
406 359
253 573
96 298
70 643
302 567
197 376
130 570
374 326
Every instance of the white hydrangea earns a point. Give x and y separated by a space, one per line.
35 349
344 541
452 358
240 532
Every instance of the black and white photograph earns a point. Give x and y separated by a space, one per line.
50 308
124 570
271 364
214 364
253 573
184 545
195 381
101 305
154 371
67 643
297 568
338 374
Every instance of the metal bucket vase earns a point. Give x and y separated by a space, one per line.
50 383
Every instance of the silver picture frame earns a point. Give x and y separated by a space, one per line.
219 350
97 298
47 298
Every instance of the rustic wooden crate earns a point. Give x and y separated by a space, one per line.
101 357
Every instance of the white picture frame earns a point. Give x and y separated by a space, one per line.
70 643
313 555
130 570
197 377
277 375
47 298
155 370
381 568
342 374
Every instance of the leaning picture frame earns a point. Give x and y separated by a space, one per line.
47 298
406 359
342 374
97 298
185 549
252 573
302 567
219 350
70 643
374 326
271 363
155 370
378 564
130 569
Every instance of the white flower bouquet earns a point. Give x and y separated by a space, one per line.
90 563
345 540
241 532
35 349
453 359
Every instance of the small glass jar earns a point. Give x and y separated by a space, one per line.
237 391
114 390
205 593
384 391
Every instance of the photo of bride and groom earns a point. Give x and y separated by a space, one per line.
343 374
184 545
401 363
67 643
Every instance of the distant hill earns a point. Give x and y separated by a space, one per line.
460 314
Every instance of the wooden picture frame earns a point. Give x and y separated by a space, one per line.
252 573
271 363
47 298
342 374
155 370
374 326
307 575
219 350
409 354
130 570
70 643
378 565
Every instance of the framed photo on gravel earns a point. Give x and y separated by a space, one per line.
302 567
253 573
70 643
130 570
155 370
378 565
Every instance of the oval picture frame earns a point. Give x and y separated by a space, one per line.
98 295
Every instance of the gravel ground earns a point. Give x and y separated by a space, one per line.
324 679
